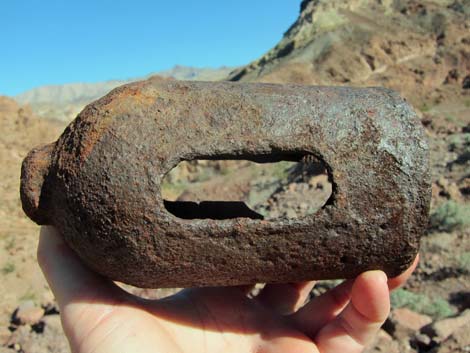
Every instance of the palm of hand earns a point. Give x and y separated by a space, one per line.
100 317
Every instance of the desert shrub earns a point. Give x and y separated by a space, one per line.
460 142
425 108
29 295
171 190
464 261
280 170
10 244
437 309
8 268
450 216
450 118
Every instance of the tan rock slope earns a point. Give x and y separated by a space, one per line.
20 276
420 48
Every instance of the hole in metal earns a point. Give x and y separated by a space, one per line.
267 188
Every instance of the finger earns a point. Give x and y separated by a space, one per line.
84 297
321 310
316 314
396 282
68 278
361 319
288 343
285 298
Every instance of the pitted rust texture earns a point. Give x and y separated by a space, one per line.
100 183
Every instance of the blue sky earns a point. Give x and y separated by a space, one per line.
58 41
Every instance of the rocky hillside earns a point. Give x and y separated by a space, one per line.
420 48
64 102
20 275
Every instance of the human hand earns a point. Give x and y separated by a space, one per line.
98 316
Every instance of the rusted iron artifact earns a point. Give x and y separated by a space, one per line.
100 183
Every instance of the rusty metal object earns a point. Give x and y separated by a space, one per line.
100 183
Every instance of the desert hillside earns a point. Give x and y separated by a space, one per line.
21 279
419 47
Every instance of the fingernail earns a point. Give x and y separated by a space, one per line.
382 276
378 275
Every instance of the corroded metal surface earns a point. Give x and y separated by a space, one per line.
100 183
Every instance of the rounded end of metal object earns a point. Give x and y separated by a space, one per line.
34 171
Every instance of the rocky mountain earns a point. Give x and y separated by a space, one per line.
64 102
418 47
180 72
